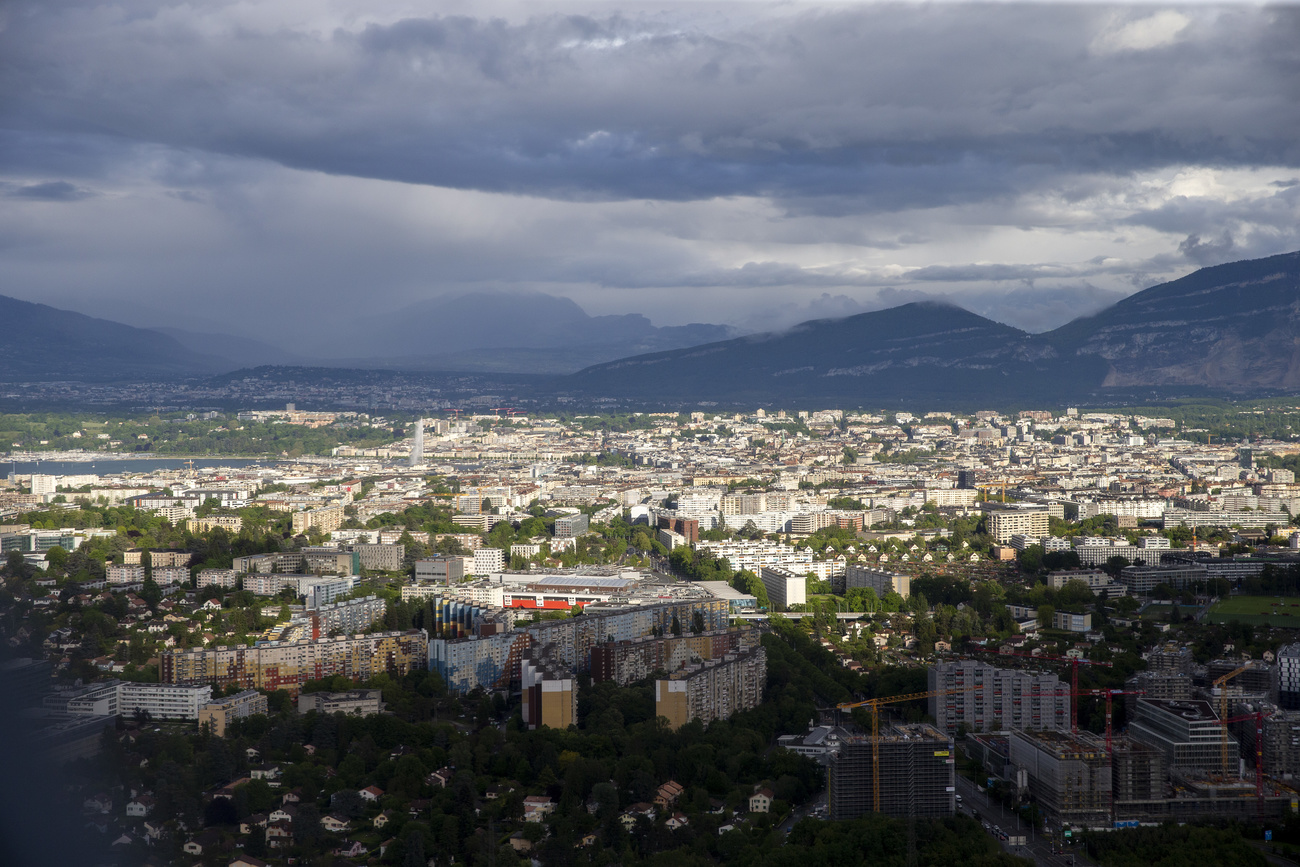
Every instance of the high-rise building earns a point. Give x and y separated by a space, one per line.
288 665
1025 520
784 588
917 775
714 689
988 699
1287 677
550 693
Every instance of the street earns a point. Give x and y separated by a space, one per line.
1037 847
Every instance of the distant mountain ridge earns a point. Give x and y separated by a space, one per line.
42 343
1227 327
1231 328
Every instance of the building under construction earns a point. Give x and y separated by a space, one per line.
917 774
1189 733
1069 774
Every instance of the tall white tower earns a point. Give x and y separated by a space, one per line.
417 444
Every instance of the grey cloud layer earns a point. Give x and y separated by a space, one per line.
162 162
890 106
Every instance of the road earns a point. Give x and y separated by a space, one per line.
1037 848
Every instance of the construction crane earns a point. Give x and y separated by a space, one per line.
1258 717
994 486
1074 662
1223 709
874 705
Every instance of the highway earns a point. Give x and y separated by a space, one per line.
1037 847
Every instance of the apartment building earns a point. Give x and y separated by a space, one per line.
492 661
628 661
230 523
714 689
124 574
227 578
488 560
1006 522
326 519
277 665
219 714
878 580
167 576
345 618
989 699
550 693
753 556
784 588
162 700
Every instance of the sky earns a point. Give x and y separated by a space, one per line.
278 169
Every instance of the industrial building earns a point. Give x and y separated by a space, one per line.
989 699
917 774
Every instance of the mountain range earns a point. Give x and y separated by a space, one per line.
1232 328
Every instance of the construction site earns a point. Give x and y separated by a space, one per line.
912 767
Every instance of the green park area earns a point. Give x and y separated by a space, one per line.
1281 611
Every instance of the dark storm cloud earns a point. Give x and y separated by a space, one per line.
877 107
50 191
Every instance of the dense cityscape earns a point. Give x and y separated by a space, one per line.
498 636
649 434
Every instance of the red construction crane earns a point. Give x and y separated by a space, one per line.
1258 717
1074 662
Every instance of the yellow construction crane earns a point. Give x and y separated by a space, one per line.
874 705
994 486
1223 709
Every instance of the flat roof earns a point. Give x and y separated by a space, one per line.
722 590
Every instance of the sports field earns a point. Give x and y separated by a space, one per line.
1283 611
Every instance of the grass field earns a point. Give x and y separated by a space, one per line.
1258 610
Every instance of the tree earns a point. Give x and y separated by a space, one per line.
57 558
1046 614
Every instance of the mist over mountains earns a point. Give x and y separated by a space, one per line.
1231 328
